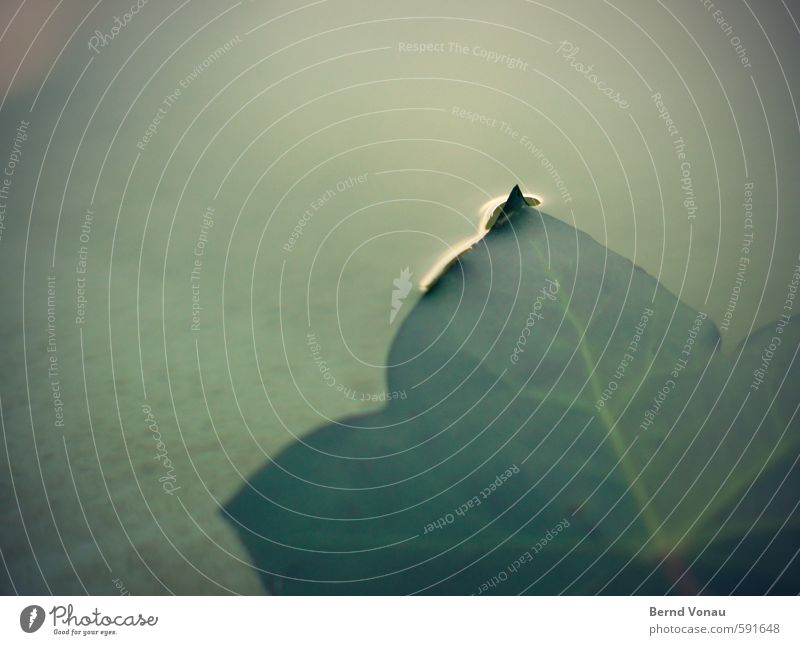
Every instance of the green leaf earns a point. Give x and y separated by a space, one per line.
581 417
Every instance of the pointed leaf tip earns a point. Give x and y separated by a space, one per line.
515 200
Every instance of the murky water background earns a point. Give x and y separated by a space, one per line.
204 216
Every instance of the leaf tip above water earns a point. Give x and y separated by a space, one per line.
501 213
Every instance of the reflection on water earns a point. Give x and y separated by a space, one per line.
293 163
491 214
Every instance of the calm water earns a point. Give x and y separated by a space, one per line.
206 215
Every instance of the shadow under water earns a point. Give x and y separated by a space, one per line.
570 427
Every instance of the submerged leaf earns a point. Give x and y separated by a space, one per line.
570 427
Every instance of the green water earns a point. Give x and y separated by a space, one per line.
174 357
